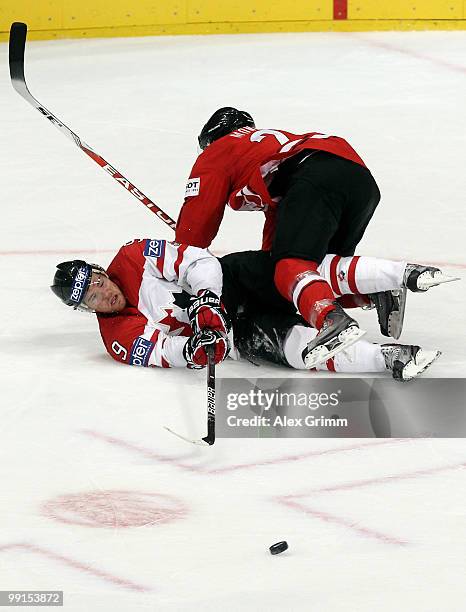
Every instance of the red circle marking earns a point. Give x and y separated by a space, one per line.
114 509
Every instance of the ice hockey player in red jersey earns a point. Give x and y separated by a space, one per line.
317 196
158 304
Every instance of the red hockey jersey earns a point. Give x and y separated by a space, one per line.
157 278
236 170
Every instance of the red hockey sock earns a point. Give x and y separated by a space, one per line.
299 282
354 301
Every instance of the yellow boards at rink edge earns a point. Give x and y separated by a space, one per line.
95 18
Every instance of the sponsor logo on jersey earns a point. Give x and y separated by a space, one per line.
341 275
141 351
80 284
193 187
154 248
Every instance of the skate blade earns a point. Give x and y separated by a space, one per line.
426 280
396 318
321 353
416 366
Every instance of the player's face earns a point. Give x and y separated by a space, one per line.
104 295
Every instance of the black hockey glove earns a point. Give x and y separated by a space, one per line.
206 311
195 349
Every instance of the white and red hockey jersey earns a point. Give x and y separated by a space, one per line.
157 278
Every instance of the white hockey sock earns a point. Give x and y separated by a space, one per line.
362 356
358 274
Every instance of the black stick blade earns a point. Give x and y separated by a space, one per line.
18 33
210 438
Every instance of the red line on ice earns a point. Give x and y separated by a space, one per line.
180 460
83 567
409 52
309 455
145 452
383 479
56 252
290 500
218 253
341 520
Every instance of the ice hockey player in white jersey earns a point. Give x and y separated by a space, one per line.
162 304
142 303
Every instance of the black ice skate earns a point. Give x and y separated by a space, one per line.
406 361
338 332
390 307
421 278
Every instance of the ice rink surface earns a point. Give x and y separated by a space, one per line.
96 498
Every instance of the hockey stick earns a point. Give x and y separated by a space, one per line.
18 33
17 44
209 439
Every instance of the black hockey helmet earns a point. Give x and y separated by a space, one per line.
71 281
222 122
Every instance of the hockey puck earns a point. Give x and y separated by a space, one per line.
278 548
